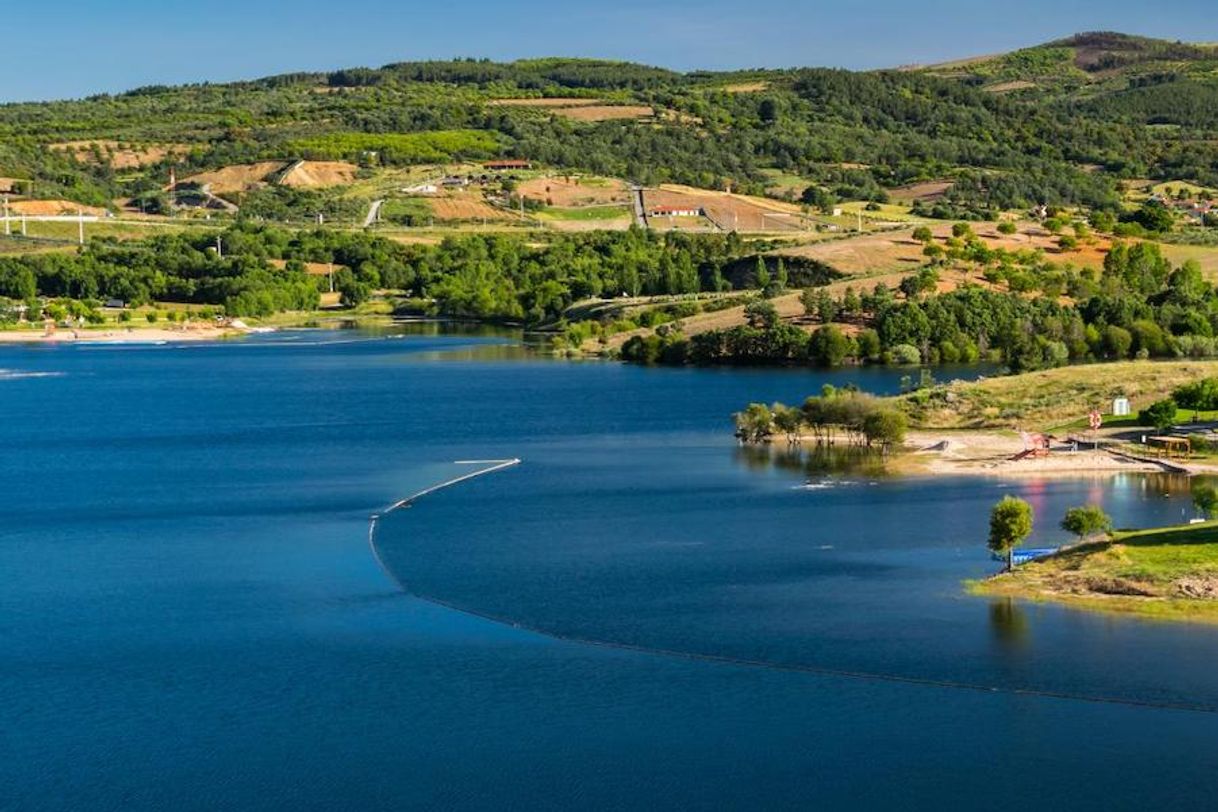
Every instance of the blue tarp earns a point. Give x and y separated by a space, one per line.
1028 554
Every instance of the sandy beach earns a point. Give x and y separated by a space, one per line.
117 335
993 453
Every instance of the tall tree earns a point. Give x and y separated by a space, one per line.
1010 525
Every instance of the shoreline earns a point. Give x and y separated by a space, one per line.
982 453
129 335
1162 574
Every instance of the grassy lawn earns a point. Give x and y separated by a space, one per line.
127 230
778 181
894 212
1131 422
1051 398
1205 255
586 213
1166 573
1172 187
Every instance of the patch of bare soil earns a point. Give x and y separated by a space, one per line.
1197 588
549 102
574 191
605 112
53 208
238 178
319 174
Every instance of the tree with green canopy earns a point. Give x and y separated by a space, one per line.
1085 521
1010 525
1161 414
1205 499
755 424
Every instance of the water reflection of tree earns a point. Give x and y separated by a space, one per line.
1009 622
814 461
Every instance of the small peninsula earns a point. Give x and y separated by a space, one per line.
1168 573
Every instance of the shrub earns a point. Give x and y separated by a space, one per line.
1161 414
905 355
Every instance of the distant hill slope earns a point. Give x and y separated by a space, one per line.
1059 124
1110 60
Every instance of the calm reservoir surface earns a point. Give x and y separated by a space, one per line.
639 615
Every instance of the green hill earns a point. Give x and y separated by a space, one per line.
1093 110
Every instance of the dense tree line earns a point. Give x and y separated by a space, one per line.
493 277
169 268
1031 317
853 417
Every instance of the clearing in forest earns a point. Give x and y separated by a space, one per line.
548 102
1009 87
580 109
928 192
746 87
572 191
1205 255
605 112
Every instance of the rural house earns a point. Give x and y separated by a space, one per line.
675 211
506 164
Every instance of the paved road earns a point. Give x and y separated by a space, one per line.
640 215
373 213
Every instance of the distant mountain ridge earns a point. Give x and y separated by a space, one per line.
1089 58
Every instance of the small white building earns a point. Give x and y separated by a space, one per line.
1120 407
674 211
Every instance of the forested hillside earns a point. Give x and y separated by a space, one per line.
1058 124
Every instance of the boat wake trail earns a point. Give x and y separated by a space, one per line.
493 466
19 375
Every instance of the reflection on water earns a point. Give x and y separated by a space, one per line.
1009 622
813 462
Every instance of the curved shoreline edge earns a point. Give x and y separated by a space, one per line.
720 659
1162 574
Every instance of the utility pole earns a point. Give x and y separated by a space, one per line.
8 226
219 248
860 213
80 222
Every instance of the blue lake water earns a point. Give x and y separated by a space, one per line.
639 615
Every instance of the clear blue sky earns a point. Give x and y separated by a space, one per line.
71 48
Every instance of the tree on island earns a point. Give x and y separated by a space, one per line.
1010 524
755 424
1085 521
789 420
1205 499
